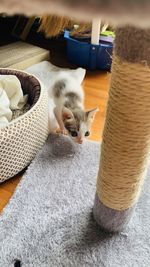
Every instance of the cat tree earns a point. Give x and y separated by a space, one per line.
126 139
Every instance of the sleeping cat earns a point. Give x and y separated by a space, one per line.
68 97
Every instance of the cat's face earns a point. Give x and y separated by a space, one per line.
78 123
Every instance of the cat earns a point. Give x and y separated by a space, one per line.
67 95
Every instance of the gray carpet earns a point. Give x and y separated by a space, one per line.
49 223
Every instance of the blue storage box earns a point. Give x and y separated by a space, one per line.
84 54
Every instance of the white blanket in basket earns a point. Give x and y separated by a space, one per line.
11 98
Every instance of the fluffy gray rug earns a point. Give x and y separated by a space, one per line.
49 223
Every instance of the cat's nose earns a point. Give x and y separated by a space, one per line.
80 141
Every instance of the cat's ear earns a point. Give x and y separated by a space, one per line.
79 74
67 114
91 113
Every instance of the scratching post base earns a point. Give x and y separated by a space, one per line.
109 219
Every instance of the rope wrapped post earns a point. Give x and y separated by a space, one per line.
126 138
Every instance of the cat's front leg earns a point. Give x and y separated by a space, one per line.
58 115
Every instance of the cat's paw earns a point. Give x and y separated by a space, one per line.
62 131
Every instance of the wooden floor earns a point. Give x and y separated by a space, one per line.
96 94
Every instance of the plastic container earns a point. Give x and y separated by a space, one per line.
84 54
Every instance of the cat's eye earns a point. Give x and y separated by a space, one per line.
74 133
87 133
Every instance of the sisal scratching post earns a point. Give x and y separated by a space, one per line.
126 137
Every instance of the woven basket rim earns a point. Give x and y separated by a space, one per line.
42 91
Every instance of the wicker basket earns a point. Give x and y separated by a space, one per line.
24 136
